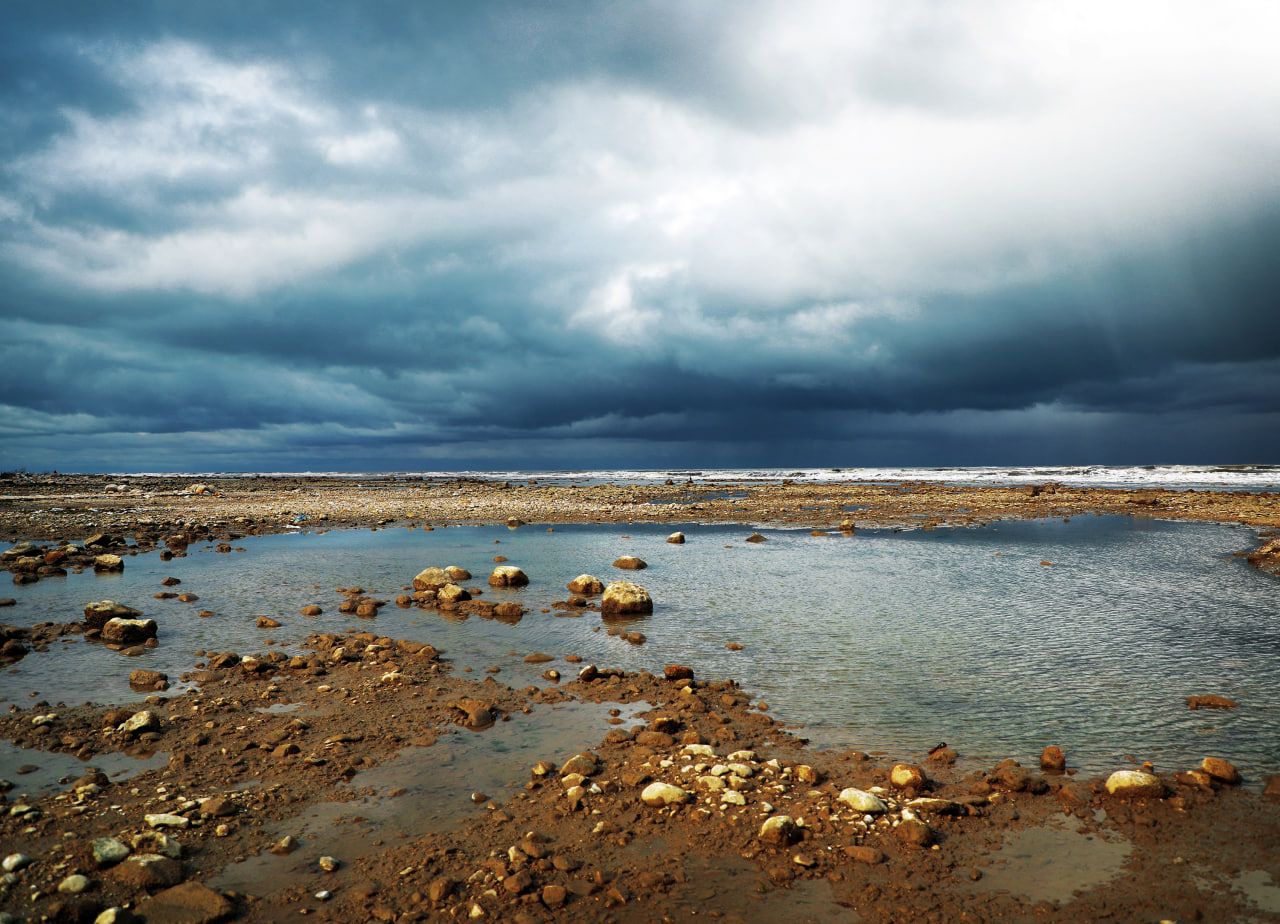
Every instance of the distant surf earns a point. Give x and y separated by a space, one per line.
1200 477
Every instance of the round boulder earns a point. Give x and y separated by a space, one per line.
1135 784
676 538
508 576
622 598
587 584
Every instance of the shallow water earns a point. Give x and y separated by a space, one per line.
38 773
883 640
421 789
1054 862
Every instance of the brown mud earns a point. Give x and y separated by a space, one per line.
365 780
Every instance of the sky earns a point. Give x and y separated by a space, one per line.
309 236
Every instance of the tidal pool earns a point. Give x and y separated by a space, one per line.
883 640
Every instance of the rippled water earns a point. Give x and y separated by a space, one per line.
883 641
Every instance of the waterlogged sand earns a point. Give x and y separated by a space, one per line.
440 794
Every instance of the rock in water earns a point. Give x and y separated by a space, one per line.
1221 770
108 562
676 538
587 584
430 579
630 563
1053 760
906 776
622 598
118 631
508 576
97 614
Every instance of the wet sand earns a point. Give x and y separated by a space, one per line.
445 795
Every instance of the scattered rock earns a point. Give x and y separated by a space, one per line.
1135 784
665 794
189 903
118 631
907 776
108 562
148 680
508 576
266 622
586 584
107 851
676 538
1221 770
622 598
863 854
1052 760
756 537
862 801
1211 701
630 563
779 830
914 833
74 884
96 615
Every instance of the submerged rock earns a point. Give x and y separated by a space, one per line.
630 563
676 538
586 584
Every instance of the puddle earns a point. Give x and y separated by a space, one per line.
280 708
432 789
1259 889
737 889
55 771
1054 862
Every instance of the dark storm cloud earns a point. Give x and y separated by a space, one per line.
434 235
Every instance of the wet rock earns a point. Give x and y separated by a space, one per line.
862 801
189 903
676 538
1211 701
140 723
677 672
585 764
907 776
936 806
167 820
1135 784
455 574
1221 770
554 896
430 579
107 851
586 584
630 563
476 714
441 888
266 622
508 576
148 680
1052 760
756 537
311 610
97 614
108 562
285 846
452 593
1272 788
328 864
74 884
863 854
623 598
508 611
537 657
779 831
914 833
118 631
847 526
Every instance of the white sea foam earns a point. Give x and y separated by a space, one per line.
1219 477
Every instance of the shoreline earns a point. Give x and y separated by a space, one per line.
267 744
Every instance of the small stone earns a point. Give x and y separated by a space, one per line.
630 563
676 538
1052 760
441 888
914 833
756 537
73 884
188 903
107 851
328 864
15 861
1221 770
863 854
266 622
554 896
907 776
658 794
310 609
286 845
167 820
779 830
1211 701
861 801
1135 784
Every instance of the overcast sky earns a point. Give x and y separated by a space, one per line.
295 236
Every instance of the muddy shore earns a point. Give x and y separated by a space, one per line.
662 798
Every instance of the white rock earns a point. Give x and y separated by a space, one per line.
167 820
733 798
73 884
700 750
1135 783
15 861
664 794
862 801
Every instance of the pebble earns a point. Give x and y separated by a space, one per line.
73 884
328 864
861 801
15 861
664 794
108 851
779 830
167 820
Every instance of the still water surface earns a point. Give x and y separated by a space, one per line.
883 640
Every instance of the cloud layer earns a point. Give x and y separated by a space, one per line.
638 235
